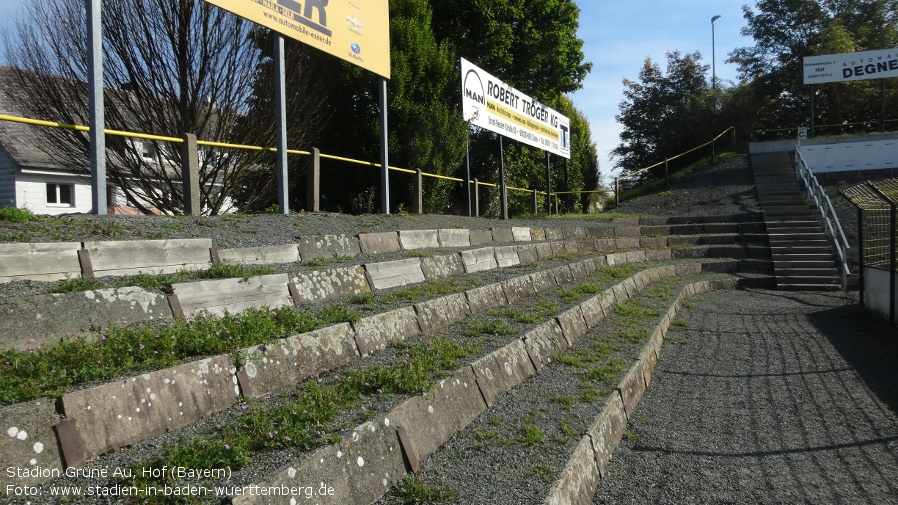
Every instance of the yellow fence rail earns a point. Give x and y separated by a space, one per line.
666 160
161 138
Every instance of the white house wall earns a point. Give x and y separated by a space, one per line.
31 193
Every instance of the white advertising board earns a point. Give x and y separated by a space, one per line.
851 66
489 103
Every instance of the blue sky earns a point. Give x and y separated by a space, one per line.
618 38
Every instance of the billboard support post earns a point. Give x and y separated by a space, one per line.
384 148
468 171
548 185
281 104
96 108
503 195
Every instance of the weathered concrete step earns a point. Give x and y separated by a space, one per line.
702 228
821 263
805 272
787 241
799 286
805 258
747 217
821 249
782 228
793 211
743 239
785 202
808 280
733 251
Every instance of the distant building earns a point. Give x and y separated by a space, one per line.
37 180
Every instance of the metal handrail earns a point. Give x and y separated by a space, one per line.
827 211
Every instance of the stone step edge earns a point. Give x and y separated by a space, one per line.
579 481
78 259
400 443
67 436
136 304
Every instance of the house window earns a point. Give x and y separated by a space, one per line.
148 150
62 195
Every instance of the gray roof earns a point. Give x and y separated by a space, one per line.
18 139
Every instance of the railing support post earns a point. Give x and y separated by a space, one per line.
418 204
313 182
190 175
476 190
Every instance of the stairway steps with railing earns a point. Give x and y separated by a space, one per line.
800 252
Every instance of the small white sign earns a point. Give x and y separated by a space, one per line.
803 133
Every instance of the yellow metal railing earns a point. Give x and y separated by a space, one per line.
666 160
161 138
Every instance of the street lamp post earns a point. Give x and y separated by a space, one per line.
713 56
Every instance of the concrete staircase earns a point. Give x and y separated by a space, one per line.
799 249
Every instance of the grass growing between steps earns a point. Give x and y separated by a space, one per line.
156 282
21 225
122 350
316 414
305 420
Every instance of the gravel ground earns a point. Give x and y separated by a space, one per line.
723 189
766 397
494 453
726 188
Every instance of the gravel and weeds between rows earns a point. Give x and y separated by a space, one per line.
124 349
318 411
283 425
524 441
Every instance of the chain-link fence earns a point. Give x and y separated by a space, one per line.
877 203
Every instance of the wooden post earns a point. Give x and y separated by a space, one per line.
476 198
190 175
313 182
418 204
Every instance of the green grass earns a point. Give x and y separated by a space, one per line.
516 315
17 215
429 289
545 472
563 402
125 349
21 225
659 185
567 428
155 282
309 418
532 435
607 373
492 327
413 491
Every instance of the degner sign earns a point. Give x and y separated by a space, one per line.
357 31
851 66
489 103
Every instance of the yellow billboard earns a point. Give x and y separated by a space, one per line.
357 31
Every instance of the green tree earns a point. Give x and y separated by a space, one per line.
426 129
786 31
533 46
665 114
